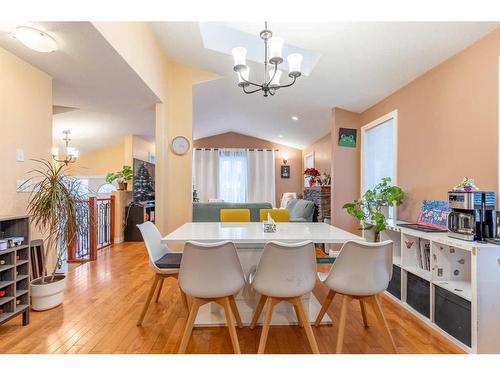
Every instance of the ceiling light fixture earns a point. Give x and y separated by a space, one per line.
71 153
273 47
295 118
35 39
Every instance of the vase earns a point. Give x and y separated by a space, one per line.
122 186
48 295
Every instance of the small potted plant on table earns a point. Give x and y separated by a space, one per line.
121 177
372 208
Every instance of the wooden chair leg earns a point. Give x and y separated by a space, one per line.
299 321
258 311
159 289
324 307
148 300
340 335
381 318
299 307
226 303
189 325
236 313
363 312
265 327
184 300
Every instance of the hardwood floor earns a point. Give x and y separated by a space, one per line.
104 299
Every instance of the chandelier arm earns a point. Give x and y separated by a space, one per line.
249 82
252 91
288 85
275 69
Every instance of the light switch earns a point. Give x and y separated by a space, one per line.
20 154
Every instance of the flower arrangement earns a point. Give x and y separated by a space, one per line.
466 185
311 174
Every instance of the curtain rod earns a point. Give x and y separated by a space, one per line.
249 149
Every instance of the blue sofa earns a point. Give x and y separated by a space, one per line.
210 212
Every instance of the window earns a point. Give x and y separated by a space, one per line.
378 142
106 189
233 175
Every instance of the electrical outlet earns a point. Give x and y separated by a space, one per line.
19 154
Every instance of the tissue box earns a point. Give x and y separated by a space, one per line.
269 227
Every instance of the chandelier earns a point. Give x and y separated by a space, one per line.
70 153
273 48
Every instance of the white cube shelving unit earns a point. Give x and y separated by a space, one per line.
457 292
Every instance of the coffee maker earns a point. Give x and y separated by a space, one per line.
472 216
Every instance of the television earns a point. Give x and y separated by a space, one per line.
144 181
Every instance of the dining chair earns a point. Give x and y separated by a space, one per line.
361 272
235 215
279 215
162 261
211 273
285 272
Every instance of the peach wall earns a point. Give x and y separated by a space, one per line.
345 170
236 140
100 162
26 123
322 149
447 125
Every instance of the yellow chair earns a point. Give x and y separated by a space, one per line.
280 215
235 215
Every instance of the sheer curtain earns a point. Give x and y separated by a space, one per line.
205 173
261 181
233 175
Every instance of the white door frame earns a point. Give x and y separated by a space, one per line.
391 115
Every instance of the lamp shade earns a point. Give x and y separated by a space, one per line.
55 151
276 80
275 49
294 64
239 56
245 73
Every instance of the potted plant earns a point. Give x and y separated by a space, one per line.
122 177
372 208
54 209
311 174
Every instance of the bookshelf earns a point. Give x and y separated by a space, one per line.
14 268
451 285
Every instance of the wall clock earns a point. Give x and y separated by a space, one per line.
180 145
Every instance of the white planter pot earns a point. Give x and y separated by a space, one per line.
49 295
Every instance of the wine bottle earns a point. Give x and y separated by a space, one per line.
2 293
2 262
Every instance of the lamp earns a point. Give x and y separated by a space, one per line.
71 153
35 39
273 55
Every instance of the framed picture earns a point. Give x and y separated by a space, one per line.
285 171
347 137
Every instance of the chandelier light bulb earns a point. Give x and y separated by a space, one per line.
239 56
244 73
276 80
294 64
275 50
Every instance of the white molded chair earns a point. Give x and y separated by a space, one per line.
361 271
163 263
285 272
211 273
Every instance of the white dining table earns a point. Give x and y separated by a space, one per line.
250 240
